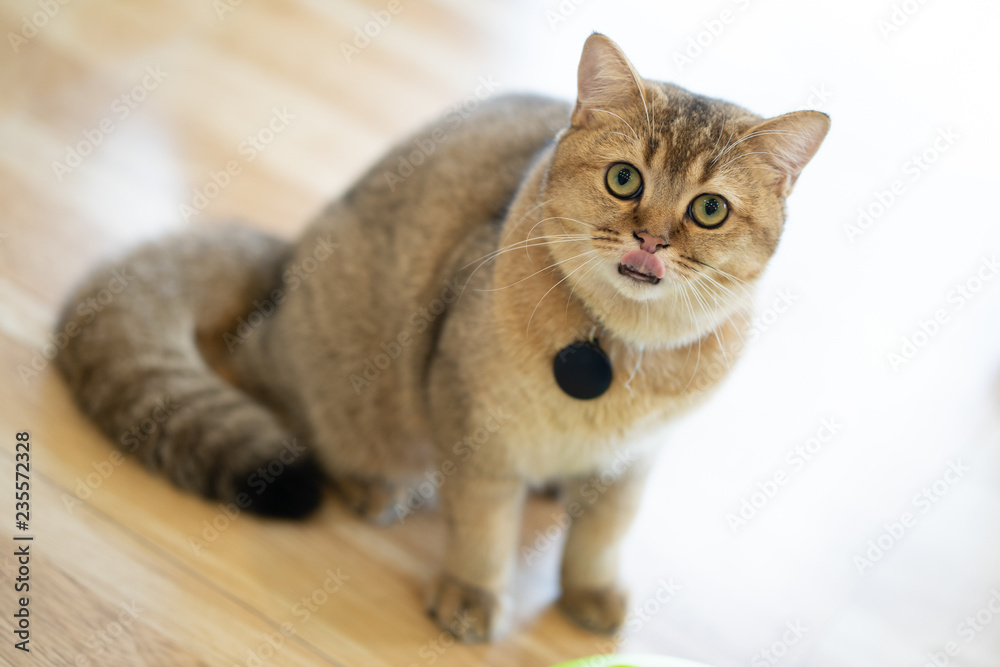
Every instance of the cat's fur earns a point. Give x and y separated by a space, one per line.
371 359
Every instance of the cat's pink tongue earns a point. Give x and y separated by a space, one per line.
644 262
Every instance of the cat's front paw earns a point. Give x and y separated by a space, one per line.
595 609
471 614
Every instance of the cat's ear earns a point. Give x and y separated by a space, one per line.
786 144
606 79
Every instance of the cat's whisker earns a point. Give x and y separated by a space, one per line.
547 268
740 157
742 300
488 259
593 263
726 146
559 217
721 130
526 243
688 355
623 135
619 118
610 157
697 361
652 128
593 268
739 300
564 279
732 169
739 282
521 219
536 239
743 310
642 95
752 135
537 245
747 299
706 310
743 305
730 145
762 133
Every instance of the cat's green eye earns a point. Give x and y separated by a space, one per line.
623 180
709 211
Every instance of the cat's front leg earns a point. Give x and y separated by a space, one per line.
484 518
602 511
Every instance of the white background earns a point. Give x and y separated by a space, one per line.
890 91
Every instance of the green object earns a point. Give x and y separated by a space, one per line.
631 661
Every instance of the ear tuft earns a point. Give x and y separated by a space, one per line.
605 79
788 142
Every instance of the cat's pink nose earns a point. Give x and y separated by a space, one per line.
651 243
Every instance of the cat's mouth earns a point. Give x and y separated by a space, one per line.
632 273
642 266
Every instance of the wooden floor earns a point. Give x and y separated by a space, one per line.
117 123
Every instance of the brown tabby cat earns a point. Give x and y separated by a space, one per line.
620 249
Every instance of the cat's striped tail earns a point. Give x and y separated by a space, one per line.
133 363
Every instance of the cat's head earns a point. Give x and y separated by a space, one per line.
671 203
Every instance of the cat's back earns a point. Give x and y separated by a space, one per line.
364 320
397 226
465 164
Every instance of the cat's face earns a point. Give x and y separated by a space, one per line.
666 202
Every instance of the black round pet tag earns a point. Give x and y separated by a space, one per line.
582 369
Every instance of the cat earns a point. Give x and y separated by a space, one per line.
550 283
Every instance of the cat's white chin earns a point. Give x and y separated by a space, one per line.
638 290
664 314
